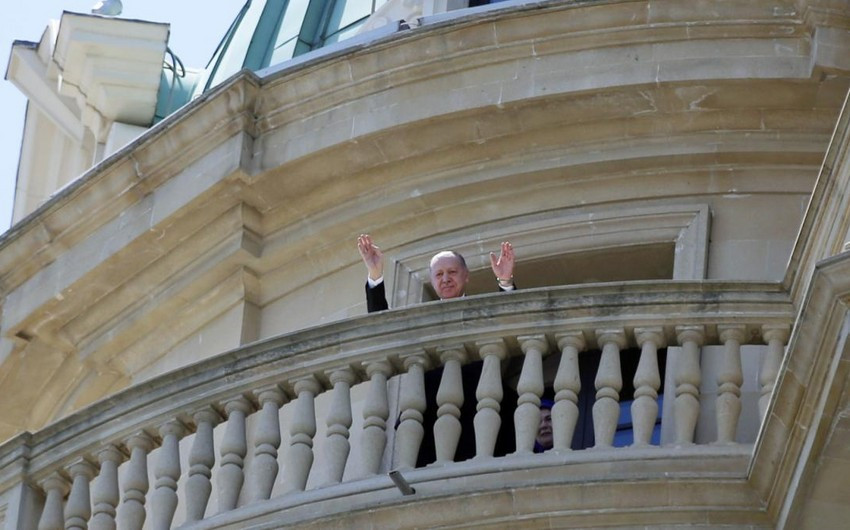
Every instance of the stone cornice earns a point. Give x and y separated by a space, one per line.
126 177
577 489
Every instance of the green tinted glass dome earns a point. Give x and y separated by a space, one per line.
265 33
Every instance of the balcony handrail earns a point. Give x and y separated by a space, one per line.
298 366
388 335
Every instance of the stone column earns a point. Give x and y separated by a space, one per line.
529 388
167 473
201 462
105 493
687 381
489 395
376 410
338 422
52 515
775 336
647 381
412 406
567 386
234 447
729 381
78 508
609 382
299 458
264 468
449 401
132 513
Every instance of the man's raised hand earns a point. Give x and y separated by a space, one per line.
503 265
372 256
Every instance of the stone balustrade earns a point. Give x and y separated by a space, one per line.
239 396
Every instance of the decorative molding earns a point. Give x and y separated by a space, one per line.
546 234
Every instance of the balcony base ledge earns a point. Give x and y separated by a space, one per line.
643 486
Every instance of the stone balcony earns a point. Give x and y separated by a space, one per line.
260 436
232 411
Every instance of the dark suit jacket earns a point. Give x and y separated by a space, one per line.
376 297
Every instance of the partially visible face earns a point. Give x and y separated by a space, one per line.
544 431
448 275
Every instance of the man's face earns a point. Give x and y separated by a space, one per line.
448 276
544 432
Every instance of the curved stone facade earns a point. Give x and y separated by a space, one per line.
610 141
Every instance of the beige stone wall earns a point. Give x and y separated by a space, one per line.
235 220
52 156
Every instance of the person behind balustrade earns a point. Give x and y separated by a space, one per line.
448 272
545 439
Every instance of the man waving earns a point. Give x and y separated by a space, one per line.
448 272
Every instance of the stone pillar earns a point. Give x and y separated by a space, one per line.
729 381
105 493
78 508
412 406
167 473
687 381
449 401
609 382
567 386
376 410
52 515
234 447
132 513
264 468
529 388
201 462
299 458
647 381
489 395
338 422
775 337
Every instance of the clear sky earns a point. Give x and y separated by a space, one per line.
196 28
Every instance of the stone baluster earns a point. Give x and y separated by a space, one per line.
234 447
529 388
567 385
647 381
264 468
299 458
105 493
775 337
376 410
608 382
166 475
132 513
687 381
201 462
489 394
52 516
730 377
78 507
338 422
449 401
412 406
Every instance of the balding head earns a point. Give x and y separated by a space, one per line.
449 274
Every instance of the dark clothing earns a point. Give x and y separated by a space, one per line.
376 297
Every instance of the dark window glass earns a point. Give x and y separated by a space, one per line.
583 437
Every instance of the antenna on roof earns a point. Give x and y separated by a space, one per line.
109 8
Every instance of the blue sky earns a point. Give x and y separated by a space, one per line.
196 28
